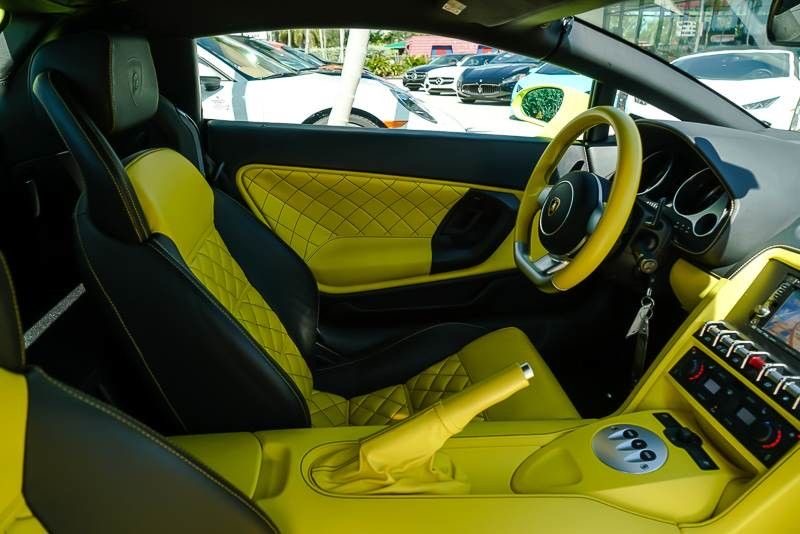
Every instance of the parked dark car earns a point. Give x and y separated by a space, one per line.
496 79
414 78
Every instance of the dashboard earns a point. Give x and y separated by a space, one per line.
686 194
719 195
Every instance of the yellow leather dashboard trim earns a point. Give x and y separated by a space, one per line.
358 231
15 516
690 284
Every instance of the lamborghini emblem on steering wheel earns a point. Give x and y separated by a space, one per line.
553 207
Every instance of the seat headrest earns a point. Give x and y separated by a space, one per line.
12 348
111 76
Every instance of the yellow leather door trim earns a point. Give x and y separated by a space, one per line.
14 513
357 231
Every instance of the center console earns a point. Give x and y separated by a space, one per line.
707 441
756 346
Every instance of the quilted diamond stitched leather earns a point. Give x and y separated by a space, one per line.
437 382
327 409
307 209
217 270
388 405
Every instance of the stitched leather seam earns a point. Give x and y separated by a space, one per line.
393 344
14 303
144 431
142 154
139 234
125 327
112 107
191 127
409 403
203 291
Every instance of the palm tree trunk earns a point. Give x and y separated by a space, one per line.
308 39
352 70
341 45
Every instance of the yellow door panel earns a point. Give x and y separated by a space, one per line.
357 231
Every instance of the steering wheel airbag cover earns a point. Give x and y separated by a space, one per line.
567 212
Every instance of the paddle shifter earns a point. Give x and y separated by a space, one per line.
405 458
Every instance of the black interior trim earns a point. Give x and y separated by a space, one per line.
488 160
472 230
90 468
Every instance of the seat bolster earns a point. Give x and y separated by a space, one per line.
12 350
273 269
90 468
396 362
210 379
112 204
543 399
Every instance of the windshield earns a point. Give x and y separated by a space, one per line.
512 58
722 43
555 70
277 54
243 58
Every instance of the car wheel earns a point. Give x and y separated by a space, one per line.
467 100
356 120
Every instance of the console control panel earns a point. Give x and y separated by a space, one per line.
773 374
750 419
630 449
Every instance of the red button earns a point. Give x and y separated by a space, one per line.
756 362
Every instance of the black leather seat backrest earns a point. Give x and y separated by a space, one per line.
196 362
89 468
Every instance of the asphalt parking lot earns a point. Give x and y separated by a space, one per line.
480 117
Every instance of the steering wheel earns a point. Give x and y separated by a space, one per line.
564 231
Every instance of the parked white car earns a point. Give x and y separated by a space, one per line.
764 82
443 79
238 82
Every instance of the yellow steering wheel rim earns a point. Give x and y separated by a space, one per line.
551 273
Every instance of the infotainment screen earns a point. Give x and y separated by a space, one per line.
784 324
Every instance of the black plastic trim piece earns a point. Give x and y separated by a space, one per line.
480 160
684 438
472 230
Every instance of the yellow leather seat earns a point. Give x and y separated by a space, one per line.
178 203
216 312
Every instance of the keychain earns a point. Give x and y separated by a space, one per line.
641 322
641 329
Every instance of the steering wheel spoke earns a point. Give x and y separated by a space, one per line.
539 271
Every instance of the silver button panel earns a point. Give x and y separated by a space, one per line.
617 447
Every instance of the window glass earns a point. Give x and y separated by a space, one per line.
409 81
722 44
248 61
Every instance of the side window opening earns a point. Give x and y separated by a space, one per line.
408 81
